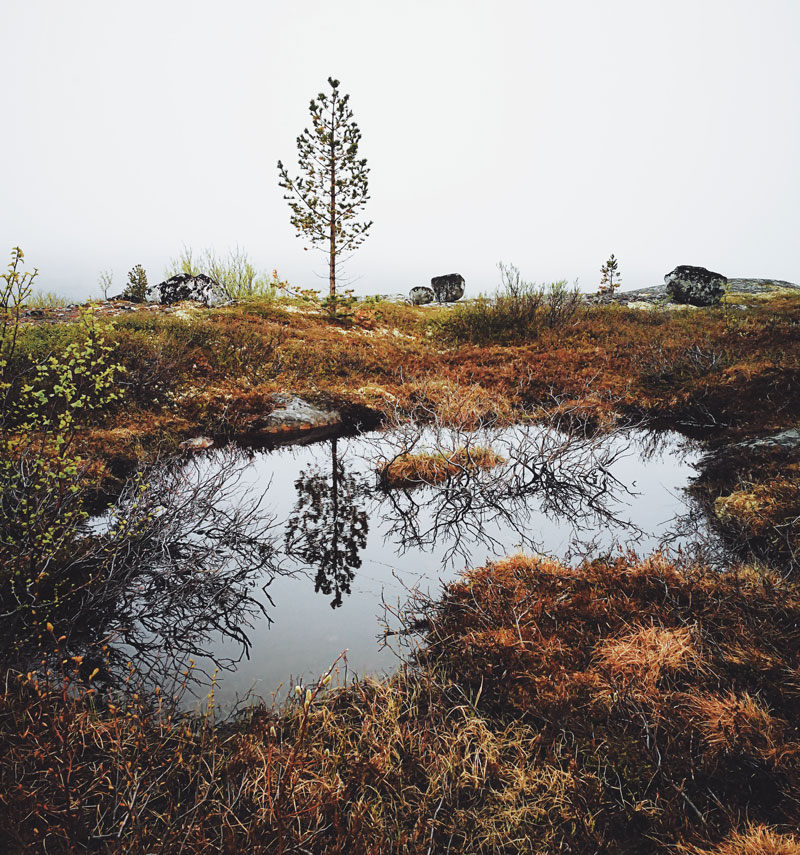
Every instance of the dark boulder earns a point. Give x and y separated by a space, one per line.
695 285
420 295
448 288
184 286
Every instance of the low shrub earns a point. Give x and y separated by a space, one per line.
38 342
518 313
154 366
45 300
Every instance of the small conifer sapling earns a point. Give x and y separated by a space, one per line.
611 278
136 289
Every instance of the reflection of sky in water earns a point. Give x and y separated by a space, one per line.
307 634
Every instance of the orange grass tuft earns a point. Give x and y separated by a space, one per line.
756 840
733 723
411 470
645 654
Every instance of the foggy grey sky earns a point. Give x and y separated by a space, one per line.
547 134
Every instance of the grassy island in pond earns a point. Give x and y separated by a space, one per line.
414 470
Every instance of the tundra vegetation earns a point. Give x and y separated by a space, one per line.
626 705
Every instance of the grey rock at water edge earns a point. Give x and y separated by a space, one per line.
294 413
695 285
184 286
786 440
421 295
448 288
197 443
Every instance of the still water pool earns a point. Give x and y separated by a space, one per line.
342 547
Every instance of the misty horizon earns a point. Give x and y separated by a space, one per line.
546 137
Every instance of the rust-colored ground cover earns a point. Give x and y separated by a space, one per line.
725 374
721 369
722 374
622 708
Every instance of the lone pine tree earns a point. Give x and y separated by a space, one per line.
332 188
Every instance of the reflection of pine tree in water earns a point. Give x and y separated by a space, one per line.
327 530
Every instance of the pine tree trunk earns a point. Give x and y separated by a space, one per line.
332 272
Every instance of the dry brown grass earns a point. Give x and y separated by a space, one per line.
513 732
752 495
765 511
704 368
624 661
755 840
643 655
734 374
761 507
734 723
622 706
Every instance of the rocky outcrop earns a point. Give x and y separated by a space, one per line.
448 288
695 286
657 295
761 286
421 295
184 286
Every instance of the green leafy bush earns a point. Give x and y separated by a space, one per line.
43 399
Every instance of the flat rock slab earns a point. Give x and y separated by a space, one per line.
293 413
786 440
102 309
760 286
657 294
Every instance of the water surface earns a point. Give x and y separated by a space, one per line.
343 547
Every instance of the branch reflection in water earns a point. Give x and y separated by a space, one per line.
182 560
563 476
319 512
